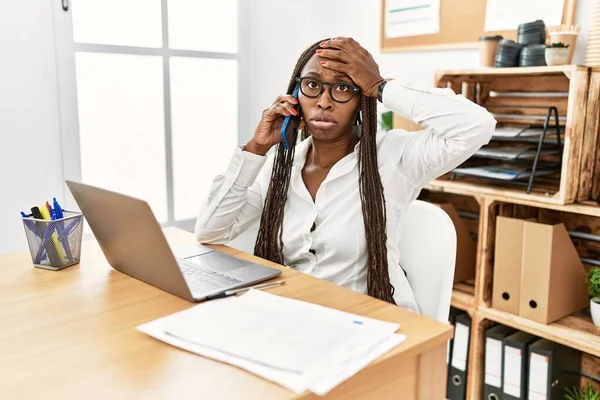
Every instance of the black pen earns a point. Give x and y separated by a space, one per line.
232 292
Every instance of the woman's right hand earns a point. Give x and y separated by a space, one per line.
267 133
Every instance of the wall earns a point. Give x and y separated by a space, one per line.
30 149
274 33
273 45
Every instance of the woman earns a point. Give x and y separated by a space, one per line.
332 205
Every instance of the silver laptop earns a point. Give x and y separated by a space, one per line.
133 243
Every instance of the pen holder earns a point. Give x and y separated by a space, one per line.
55 244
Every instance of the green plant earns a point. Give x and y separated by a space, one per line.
558 45
576 393
593 281
387 121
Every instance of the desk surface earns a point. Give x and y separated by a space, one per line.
74 332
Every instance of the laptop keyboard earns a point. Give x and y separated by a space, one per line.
196 276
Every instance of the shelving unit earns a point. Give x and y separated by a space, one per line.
576 331
526 96
569 197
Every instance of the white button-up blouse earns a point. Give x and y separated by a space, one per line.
336 249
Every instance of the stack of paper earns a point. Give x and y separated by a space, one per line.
298 345
504 172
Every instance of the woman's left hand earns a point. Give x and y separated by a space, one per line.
345 55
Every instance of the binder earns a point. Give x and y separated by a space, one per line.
516 365
460 355
494 339
452 319
552 368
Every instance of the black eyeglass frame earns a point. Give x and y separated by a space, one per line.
355 89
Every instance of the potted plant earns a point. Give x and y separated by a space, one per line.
557 54
593 281
576 393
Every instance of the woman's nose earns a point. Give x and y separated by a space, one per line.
325 102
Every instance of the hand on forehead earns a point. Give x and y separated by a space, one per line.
314 68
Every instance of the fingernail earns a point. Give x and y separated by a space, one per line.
323 62
319 51
294 112
322 43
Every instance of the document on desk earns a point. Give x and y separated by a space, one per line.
299 345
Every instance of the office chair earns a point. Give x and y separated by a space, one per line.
246 240
428 256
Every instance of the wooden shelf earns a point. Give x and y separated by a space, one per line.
463 301
463 297
464 187
513 196
576 331
524 71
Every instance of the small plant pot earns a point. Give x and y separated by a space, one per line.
556 55
595 310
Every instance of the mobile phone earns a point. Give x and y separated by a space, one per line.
286 121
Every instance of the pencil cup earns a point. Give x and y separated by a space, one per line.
55 244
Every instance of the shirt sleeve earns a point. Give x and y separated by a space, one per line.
455 128
235 199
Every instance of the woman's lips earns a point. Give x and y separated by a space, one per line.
323 124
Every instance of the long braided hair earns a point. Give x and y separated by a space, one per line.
269 243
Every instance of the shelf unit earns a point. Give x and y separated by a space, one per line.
576 331
518 96
572 199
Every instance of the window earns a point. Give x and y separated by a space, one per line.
149 98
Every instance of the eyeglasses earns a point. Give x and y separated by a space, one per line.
340 92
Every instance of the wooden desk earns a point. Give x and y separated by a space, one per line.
71 334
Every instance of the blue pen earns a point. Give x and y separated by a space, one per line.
286 121
57 208
31 225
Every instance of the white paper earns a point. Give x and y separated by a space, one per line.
504 15
277 332
512 371
336 376
506 131
405 18
321 379
461 346
496 172
538 377
493 362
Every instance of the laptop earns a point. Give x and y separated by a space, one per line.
133 243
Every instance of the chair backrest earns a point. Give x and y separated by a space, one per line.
428 255
246 240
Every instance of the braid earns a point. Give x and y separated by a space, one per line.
373 205
269 243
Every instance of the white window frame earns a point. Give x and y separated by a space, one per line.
67 91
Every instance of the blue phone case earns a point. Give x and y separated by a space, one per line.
286 121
